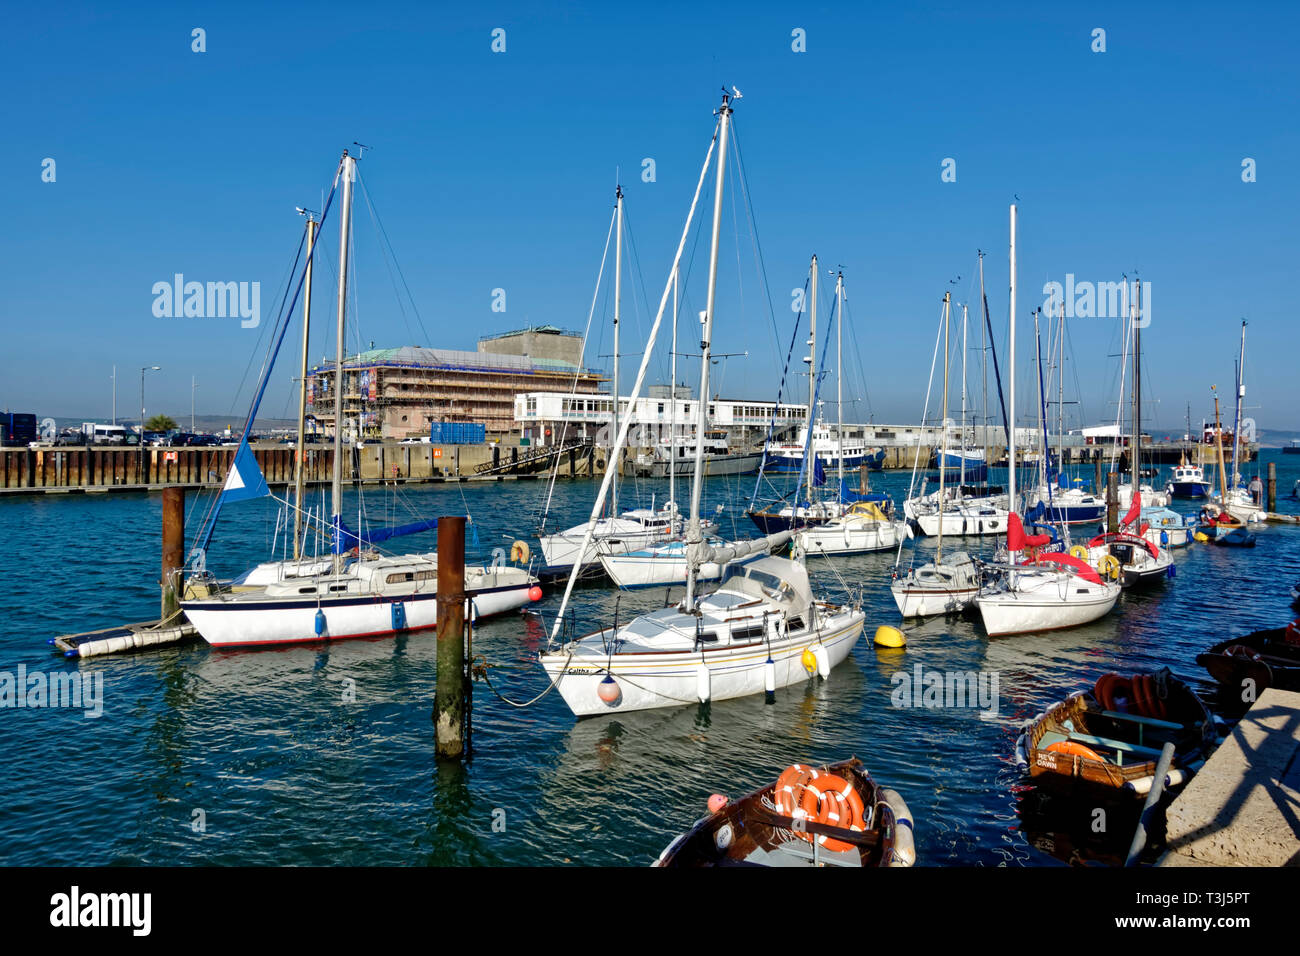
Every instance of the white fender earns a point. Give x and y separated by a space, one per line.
904 843
702 682
823 660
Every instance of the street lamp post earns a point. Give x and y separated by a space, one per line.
143 369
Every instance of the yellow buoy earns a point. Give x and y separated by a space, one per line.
887 636
1201 536
809 660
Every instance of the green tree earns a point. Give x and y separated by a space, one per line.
160 423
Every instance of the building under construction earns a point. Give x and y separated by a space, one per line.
398 393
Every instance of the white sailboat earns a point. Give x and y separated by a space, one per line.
946 584
360 593
1237 499
1045 591
761 629
862 527
634 529
952 512
815 438
1147 493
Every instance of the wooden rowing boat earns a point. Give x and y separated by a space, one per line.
1111 736
1269 658
800 821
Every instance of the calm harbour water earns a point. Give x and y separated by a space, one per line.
264 749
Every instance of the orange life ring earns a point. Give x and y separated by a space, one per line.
787 790
1104 690
1111 687
1072 749
830 799
1142 695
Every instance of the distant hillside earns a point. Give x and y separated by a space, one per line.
1275 437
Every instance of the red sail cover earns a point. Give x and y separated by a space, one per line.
1134 509
1017 540
1069 560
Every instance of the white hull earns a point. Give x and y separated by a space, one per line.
563 550
1242 505
1150 497
1174 536
849 538
963 521
671 679
249 619
931 589
1044 601
654 567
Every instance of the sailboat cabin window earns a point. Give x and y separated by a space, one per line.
743 635
402 577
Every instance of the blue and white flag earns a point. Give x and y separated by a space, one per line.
245 478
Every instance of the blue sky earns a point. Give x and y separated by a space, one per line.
496 170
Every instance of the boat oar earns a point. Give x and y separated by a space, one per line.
1148 808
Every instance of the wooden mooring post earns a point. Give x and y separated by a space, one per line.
1096 476
450 707
1272 487
1112 501
173 550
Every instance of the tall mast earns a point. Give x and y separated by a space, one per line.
943 428
811 466
302 395
1060 389
1218 446
1011 424
618 298
839 370
1042 402
345 228
672 406
984 373
965 313
693 536
1136 450
1241 394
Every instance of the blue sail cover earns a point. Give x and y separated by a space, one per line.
245 479
849 495
344 539
819 472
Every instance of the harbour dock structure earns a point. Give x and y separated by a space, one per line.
115 468
1243 807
